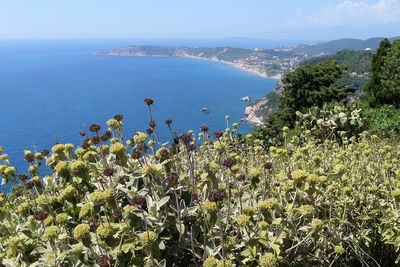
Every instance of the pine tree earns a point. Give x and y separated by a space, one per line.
389 92
313 85
374 86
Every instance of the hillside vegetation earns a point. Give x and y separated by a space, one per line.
215 199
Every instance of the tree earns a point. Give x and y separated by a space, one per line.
305 87
373 87
389 92
313 85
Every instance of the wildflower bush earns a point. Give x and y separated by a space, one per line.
213 199
330 121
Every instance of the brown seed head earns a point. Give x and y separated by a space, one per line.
94 223
29 158
95 140
22 177
40 215
45 152
138 200
109 172
149 131
82 134
117 214
136 155
149 101
168 122
268 165
191 147
153 124
229 162
30 184
172 180
204 128
216 195
118 117
195 196
185 138
164 153
218 134
105 261
94 128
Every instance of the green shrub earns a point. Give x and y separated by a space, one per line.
383 120
213 199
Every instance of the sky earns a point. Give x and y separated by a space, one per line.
199 19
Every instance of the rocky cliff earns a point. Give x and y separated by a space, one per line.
257 111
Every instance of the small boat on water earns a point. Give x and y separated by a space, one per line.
205 110
246 98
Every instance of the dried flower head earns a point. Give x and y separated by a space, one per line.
117 214
30 184
163 153
185 138
168 122
204 128
195 196
215 196
45 152
138 200
94 223
149 101
94 128
217 134
229 162
149 131
191 147
172 180
109 172
95 140
268 165
41 215
106 136
153 124
136 155
118 117
105 261
29 158
82 134
22 177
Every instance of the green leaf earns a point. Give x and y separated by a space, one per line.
180 227
276 248
128 244
63 255
162 201
277 221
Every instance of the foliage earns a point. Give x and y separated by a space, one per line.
383 120
384 85
218 200
331 121
313 85
356 60
307 86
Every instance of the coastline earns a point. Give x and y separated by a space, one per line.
214 59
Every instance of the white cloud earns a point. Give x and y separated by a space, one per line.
357 13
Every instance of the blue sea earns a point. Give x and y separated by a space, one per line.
52 90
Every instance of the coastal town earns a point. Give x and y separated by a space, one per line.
269 63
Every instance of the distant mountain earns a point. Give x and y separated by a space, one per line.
334 46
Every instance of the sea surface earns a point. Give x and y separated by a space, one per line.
52 90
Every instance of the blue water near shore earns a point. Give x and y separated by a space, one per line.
52 90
